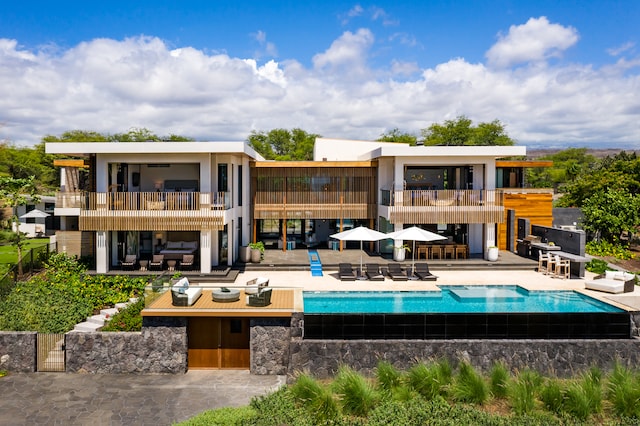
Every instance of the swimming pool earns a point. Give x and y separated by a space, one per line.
453 299
462 312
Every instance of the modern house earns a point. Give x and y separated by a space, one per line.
210 198
151 198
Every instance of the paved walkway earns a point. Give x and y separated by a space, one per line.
96 400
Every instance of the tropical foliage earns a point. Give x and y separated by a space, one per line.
461 132
62 296
283 144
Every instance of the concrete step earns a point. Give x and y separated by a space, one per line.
109 312
88 327
96 319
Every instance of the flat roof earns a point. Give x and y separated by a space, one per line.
151 147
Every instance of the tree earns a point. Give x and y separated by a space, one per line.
568 165
134 134
461 132
610 213
283 145
16 192
396 135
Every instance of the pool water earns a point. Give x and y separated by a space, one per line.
454 299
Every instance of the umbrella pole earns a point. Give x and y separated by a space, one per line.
413 259
360 273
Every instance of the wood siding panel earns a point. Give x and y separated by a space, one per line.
536 206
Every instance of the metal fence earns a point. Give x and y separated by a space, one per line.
32 261
51 354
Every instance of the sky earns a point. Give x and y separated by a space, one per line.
556 74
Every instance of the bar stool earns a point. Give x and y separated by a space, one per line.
561 267
449 251
544 263
436 251
461 250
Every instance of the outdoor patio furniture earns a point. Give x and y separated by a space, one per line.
263 298
561 267
544 261
183 294
129 262
612 282
255 285
225 295
395 272
373 272
157 262
345 271
187 262
422 272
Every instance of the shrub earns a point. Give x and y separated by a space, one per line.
429 381
128 319
223 417
315 398
623 392
597 266
357 395
552 396
470 386
388 376
522 391
584 397
604 248
499 380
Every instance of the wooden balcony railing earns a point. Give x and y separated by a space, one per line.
127 201
444 206
314 205
171 211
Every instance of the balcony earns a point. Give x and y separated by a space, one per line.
139 211
444 206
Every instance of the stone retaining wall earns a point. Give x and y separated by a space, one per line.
269 345
18 351
161 347
562 357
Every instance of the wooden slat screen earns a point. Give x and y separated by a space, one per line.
314 192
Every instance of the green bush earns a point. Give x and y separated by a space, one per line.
623 392
499 380
227 416
606 249
315 398
523 390
552 396
597 266
470 386
356 394
128 319
63 295
429 381
584 396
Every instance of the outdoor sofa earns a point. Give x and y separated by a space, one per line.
182 294
612 282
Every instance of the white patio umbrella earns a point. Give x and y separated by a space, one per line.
361 233
415 234
34 214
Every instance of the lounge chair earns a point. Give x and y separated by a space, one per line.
129 262
255 285
263 298
187 262
156 262
182 294
422 272
613 282
346 272
395 272
372 270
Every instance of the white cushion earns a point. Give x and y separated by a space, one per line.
610 275
189 244
174 244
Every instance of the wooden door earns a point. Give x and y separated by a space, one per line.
218 343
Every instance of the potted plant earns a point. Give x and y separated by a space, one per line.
399 252
176 277
492 253
257 251
245 254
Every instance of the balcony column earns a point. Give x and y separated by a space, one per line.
206 255
490 237
102 252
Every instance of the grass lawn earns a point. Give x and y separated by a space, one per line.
8 252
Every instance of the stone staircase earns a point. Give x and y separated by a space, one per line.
96 322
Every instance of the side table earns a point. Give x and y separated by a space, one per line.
144 264
171 265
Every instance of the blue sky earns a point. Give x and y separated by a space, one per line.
556 73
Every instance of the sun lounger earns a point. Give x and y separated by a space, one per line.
395 272
612 282
345 270
157 262
263 298
422 272
129 262
372 270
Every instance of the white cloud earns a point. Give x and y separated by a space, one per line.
617 51
535 41
109 86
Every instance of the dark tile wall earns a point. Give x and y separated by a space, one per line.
468 326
